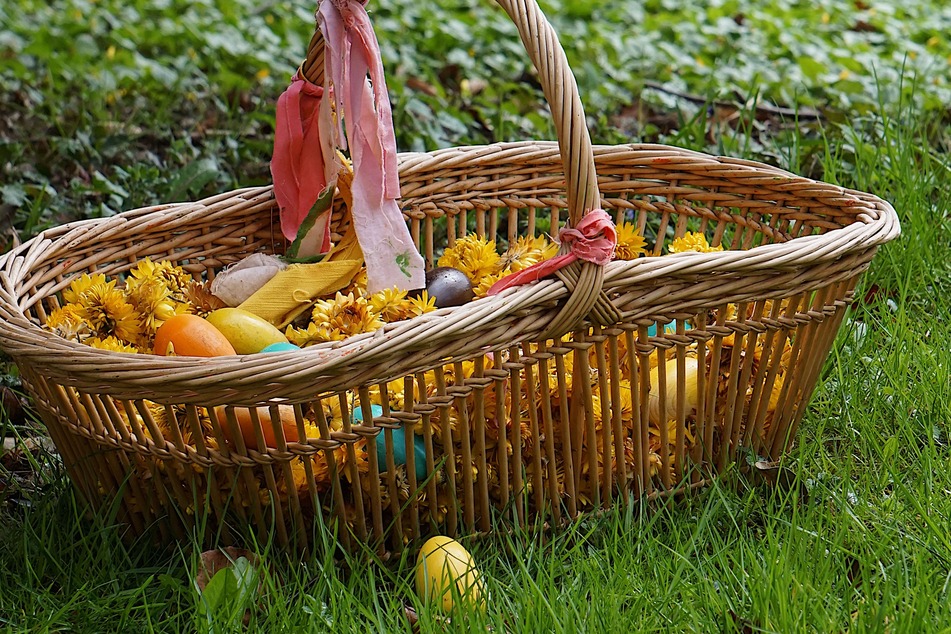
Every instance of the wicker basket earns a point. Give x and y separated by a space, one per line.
532 406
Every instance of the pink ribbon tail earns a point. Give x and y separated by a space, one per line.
297 165
593 240
352 54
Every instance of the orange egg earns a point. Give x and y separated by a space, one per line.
190 336
246 425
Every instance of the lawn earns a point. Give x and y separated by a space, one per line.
110 105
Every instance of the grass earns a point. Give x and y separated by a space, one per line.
857 535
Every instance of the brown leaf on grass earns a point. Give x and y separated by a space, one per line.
213 561
854 572
411 617
741 625
11 405
777 476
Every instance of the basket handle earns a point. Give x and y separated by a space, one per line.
583 279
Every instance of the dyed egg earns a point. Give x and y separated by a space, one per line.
668 327
399 445
190 336
247 332
449 286
246 425
662 412
280 346
446 573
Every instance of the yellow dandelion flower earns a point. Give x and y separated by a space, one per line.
692 241
310 335
347 314
775 393
80 286
391 305
358 286
199 297
154 303
474 256
630 243
333 412
67 323
174 277
111 343
527 251
108 312
422 304
482 288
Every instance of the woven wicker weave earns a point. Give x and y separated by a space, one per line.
509 431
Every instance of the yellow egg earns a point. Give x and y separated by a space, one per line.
660 414
445 572
247 332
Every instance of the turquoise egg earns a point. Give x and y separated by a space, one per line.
399 445
668 327
281 346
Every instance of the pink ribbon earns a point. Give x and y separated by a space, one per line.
352 53
593 240
297 165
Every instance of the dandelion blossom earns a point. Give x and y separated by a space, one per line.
312 334
346 314
474 256
107 312
692 241
525 252
173 277
154 304
67 323
630 243
422 304
111 343
80 286
391 305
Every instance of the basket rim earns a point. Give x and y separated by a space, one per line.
287 375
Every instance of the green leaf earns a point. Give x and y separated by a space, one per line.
811 68
230 592
192 178
13 195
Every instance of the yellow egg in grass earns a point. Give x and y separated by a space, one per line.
247 332
446 574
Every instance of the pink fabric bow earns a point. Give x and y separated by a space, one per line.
593 240
297 165
352 52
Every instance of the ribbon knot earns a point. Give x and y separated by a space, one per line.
593 240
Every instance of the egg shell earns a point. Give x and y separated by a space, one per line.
447 577
190 336
399 445
246 425
280 346
670 326
449 286
659 413
247 332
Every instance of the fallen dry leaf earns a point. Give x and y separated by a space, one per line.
213 561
